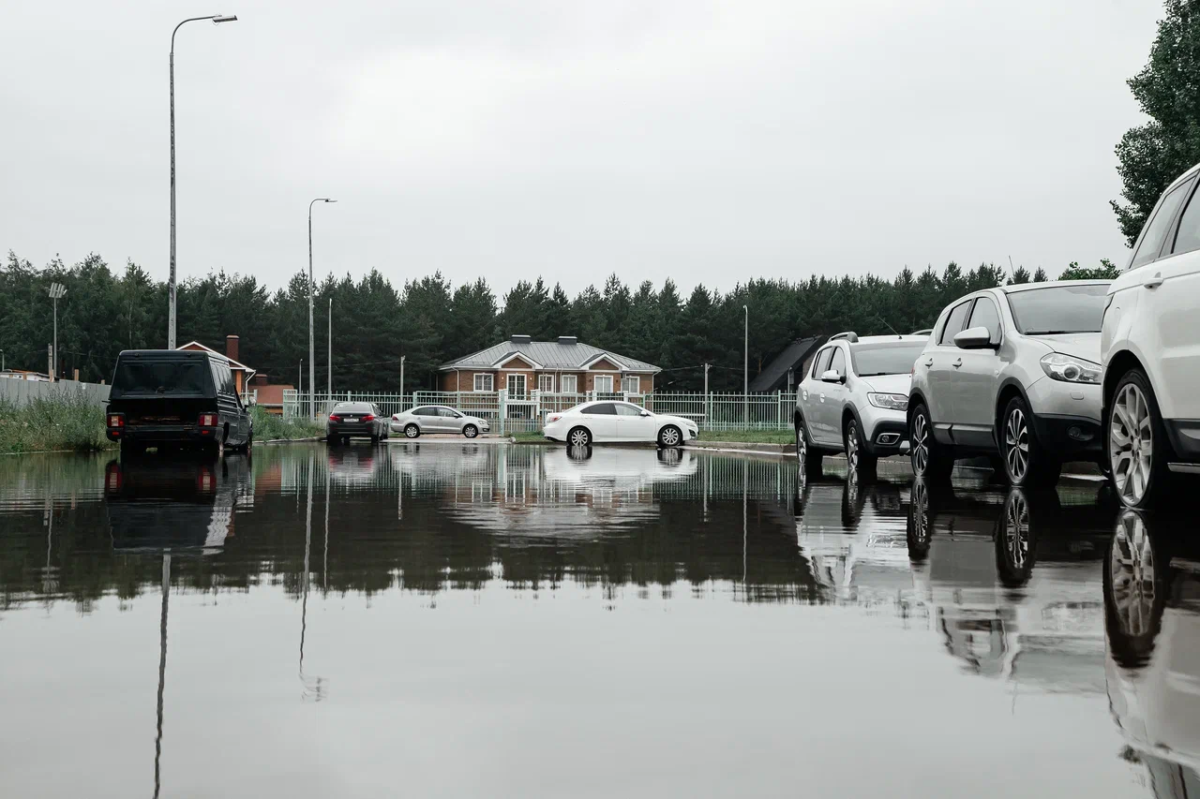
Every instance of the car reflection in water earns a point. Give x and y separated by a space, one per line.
999 574
1152 626
355 464
176 504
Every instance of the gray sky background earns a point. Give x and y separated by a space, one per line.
706 142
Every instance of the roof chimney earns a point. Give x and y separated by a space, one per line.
568 340
522 339
231 347
260 379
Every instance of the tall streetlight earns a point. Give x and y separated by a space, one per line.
57 292
217 20
329 358
312 373
746 370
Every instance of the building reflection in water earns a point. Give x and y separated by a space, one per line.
1152 663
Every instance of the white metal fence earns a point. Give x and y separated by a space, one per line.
511 415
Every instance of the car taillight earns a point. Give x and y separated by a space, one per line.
395 417
116 420
554 417
113 479
368 418
333 417
208 420
204 480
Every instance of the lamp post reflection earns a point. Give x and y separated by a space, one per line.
162 668
311 687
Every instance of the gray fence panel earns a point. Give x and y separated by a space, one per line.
22 392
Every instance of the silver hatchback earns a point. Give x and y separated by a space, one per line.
437 419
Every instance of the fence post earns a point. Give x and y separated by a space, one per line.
778 410
502 411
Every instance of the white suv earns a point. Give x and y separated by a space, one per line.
1151 351
1012 373
853 399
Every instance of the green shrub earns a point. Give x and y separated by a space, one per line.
268 427
68 422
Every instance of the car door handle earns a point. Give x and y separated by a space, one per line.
1154 282
957 363
929 361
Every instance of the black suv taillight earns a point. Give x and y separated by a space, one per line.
116 420
208 420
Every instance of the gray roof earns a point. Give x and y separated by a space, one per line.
548 354
774 376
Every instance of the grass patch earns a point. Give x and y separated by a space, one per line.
269 427
527 437
749 436
68 422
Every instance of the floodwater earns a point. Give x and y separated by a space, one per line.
491 620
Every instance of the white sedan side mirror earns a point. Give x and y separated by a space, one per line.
831 376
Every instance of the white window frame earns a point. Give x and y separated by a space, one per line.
546 383
568 384
488 379
596 384
524 392
635 380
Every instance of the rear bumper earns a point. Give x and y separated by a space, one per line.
344 429
1185 439
1070 436
166 434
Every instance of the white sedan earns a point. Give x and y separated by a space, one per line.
605 421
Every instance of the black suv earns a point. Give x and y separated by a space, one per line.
176 398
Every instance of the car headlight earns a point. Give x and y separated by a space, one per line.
1070 370
891 402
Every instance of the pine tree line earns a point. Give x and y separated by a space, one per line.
429 321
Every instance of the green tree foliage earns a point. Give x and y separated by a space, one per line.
1154 154
429 322
1105 271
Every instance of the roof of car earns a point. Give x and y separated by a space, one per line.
1051 284
892 339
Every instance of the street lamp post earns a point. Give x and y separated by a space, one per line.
329 359
217 20
746 370
57 292
312 369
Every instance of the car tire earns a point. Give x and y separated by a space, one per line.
930 460
375 441
579 437
1140 478
412 431
670 436
862 464
807 455
1027 463
470 431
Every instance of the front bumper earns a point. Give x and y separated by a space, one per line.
884 431
1069 436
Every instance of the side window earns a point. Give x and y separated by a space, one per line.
1156 229
954 323
424 412
986 315
1188 237
628 410
447 413
218 378
839 361
821 362
601 409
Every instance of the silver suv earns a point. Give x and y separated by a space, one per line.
1012 373
853 400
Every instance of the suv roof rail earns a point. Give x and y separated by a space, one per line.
925 332
850 336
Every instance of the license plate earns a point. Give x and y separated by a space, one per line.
351 418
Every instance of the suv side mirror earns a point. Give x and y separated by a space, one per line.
831 376
975 338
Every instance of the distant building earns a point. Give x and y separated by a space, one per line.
242 373
267 395
565 366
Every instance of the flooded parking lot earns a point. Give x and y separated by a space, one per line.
495 620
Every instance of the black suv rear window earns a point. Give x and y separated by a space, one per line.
182 378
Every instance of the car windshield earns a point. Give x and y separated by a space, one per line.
182 378
1062 309
351 407
885 359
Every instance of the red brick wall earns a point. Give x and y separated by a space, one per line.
463 380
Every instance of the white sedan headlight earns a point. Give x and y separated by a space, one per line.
1070 370
891 402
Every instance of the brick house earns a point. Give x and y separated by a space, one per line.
242 374
564 366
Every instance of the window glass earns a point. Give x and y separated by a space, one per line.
624 409
568 384
545 382
604 384
425 412
448 413
1064 309
351 407
631 385
601 409
1188 237
839 361
1156 229
954 323
872 360
821 362
483 383
986 315
161 376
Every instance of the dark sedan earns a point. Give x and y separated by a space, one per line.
357 419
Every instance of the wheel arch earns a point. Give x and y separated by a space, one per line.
915 397
1118 365
1009 388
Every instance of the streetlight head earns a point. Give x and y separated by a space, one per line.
329 200
219 18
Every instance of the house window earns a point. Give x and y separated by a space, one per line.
631 384
484 383
568 384
546 383
603 384
516 386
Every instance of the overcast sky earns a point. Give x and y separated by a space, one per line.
705 142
